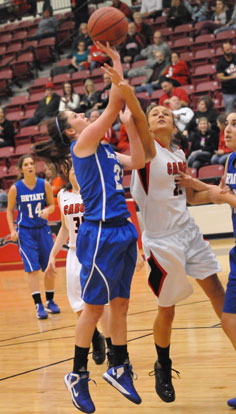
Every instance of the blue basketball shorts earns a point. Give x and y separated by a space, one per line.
108 257
35 245
230 294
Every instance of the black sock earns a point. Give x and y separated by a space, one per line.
80 359
36 297
121 355
95 337
109 344
49 294
163 354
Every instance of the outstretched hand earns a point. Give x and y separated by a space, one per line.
108 50
116 78
126 116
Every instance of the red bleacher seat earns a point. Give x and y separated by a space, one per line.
5 79
203 73
139 63
5 39
23 67
193 172
44 51
137 80
16 103
34 99
203 57
59 80
26 135
5 153
183 45
209 88
39 85
78 78
182 30
203 42
222 36
211 173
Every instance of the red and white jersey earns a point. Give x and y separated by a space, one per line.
73 209
161 201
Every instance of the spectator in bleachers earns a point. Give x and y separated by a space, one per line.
110 136
70 100
178 70
178 14
206 109
182 115
103 95
226 73
204 143
47 26
231 25
158 45
7 130
79 60
133 44
197 10
219 18
151 8
143 28
82 36
80 12
96 58
90 97
54 180
47 107
123 7
169 91
222 153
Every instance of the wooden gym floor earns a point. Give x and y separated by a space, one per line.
35 355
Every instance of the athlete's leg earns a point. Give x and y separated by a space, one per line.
118 320
86 324
34 281
215 291
228 321
163 325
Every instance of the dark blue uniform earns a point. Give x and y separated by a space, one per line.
106 241
34 235
230 296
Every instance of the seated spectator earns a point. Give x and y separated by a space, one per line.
151 9
178 14
110 136
158 45
182 115
222 153
219 18
178 70
133 44
197 10
226 75
47 107
153 70
204 143
231 25
80 57
143 28
96 58
47 26
54 180
205 109
82 36
80 12
123 7
90 97
169 91
7 131
103 95
70 100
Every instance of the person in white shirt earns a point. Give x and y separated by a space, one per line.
151 8
182 115
70 100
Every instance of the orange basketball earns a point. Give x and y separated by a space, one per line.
108 24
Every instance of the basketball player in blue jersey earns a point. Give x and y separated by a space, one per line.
34 199
106 241
217 195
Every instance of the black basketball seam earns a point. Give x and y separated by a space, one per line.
107 28
98 18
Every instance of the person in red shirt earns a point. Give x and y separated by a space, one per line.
178 71
123 8
96 58
169 91
222 152
123 144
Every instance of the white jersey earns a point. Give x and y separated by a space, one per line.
72 208
161 201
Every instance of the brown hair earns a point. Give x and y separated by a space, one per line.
20 164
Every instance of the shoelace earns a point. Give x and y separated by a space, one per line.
151 373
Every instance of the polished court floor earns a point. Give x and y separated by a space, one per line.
35 355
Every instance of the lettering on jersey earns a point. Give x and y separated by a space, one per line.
173 168
230 178
111 155
31 197
74 208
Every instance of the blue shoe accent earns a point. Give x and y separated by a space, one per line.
52 307
77 384
121 378
40 311
232 403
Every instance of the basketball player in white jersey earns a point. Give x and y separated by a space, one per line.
172 243
72 209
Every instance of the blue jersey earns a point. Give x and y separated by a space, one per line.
100 179
30 203
231 182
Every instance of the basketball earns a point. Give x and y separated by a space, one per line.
108 24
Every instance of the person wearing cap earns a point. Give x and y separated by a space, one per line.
47 107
